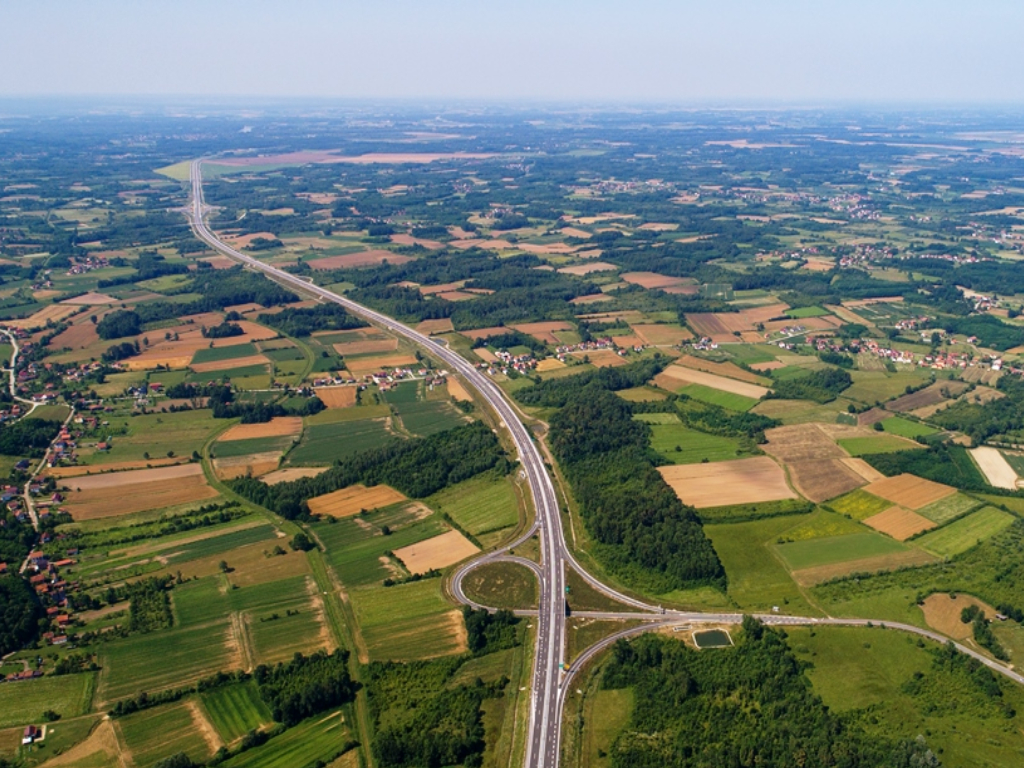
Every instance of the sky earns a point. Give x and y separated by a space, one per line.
641 51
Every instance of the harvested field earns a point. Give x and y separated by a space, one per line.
430 290
485 333
121 493
676 377
547 248
628 341
652 280
457 391
179 353
720 325
456 296
574 232
90 469
659 335
602 358
899 523
353 499
293 473
808 577
771 365
942 613
362 259
995 467
544 332
100 748
688 290
91 299
593 298
438 552
432 327
251 465
588 268
873 416
337 397
244 241
369 346
431 245
365 365
931 395
78 336
54 312
549 364
743 481
655 226
228 365
485 354
977 374
909 491
279 426
865 470
729 370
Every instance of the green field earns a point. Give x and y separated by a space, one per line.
718 397
962 534
757 579
502 585
657 418
154 433
323 443
316 741
801 312
355 413
234 710
682 445
216 354
405 622
24 702
184 655
822 524
285 354
224 449
743 513
748 353
50 412
864 446
429 418
906 428
871 674
879 386
279 639
153 734
859 504
255 373
837 549
607 712
479 505
355 551
949 508
403 393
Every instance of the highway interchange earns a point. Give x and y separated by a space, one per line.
551 680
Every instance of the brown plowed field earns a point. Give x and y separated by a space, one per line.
337 397
588 268
816 464
362 259
90 299
910 491
279 426
933 394
369 346
653 279
430 290
438 552
485 333
899 523
873 416
121 493
730 370
865 470
544 332
743 481
457 391
722 324
229 365
350 501
431 327
808 577
942 613
547 248
456 296
54 312
362 366
431 245
548 364
78 336
602 358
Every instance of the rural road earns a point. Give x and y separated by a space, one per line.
550 681
12 372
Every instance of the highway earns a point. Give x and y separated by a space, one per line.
545 720
550 683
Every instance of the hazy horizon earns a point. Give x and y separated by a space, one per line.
739 52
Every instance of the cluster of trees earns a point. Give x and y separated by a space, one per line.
20 612
991 331
118 324
982 631
16 538
260 413
28 437
304 321
710 418
554 393
421 719
306 685
650 538
418 468
746 705
487 632
150 604
958 684
224 330
982 421
513 338
943 463
821 386
121 351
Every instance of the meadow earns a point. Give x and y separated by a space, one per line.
967 532
859 505
719 397
323 443
314 741
864 446
901 427
429 418
408 621
479 505
25 701
837 549
154 734
234 710
502 585
682 445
